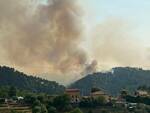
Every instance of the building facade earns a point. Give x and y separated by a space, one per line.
74 95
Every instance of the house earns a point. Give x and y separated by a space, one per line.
98 93
121 102
95 93
141 93
20 98
74 94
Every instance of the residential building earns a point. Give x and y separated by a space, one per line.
74 94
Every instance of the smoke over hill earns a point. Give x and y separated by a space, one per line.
43 38
46 38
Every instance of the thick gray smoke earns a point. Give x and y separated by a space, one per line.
42 38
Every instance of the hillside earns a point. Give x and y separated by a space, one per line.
11 77
112 82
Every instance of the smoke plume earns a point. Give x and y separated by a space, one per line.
46 38
114 44
42 38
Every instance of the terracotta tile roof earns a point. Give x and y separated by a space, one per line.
72 90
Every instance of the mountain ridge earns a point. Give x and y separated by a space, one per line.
11 77
114 81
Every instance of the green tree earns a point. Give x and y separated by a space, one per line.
105 111
52 109
124 93
2 100
61 102
43 109
90 111
4 92
36 103
14 111
12 92
36 109
42 99
101 100
77 110
148 109
30 99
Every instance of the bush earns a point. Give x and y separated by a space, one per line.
2 100
12 92
41 98
87 102
43 109
62 102
105 111
101 100
36 109
148 109
36 103
77 110
90 111
52 109
68 107
30 99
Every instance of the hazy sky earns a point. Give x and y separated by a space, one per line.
135 12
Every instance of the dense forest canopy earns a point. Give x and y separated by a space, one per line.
111 82
114 81
12 77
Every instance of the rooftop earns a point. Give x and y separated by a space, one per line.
72 90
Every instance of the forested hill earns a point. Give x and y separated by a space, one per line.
115 80
11 77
